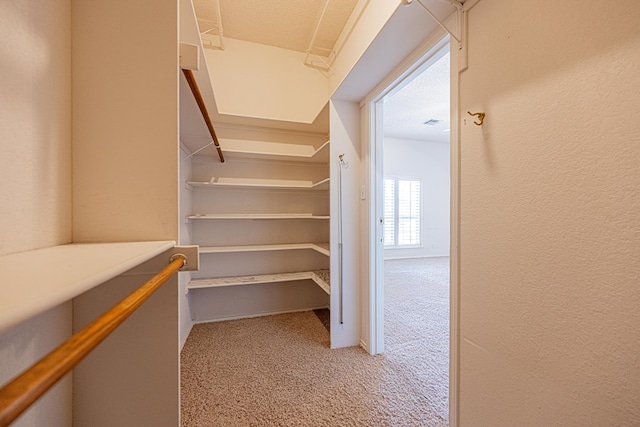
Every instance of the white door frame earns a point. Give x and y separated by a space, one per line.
372 107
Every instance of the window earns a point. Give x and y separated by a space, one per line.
401 212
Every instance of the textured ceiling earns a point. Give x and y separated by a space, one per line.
424 98
288 24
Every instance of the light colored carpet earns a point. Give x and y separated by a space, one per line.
279 370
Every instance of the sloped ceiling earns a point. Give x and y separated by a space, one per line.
288 24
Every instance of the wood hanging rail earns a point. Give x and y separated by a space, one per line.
188 74
24 390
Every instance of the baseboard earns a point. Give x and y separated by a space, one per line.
254 315
416 257
186 335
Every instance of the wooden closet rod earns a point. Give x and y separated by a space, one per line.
24 390
188 74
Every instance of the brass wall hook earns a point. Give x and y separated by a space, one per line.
480 118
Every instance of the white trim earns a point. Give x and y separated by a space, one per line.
378 141
322 248
426 54
396 213
454 249
184 337
261 279
414 257
408 66
253 316
184 148
368 224
266 129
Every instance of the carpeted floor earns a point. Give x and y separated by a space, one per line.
279 370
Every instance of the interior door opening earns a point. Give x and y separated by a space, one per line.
413 128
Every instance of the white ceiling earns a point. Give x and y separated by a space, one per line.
424 98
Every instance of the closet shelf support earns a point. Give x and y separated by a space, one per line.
461 38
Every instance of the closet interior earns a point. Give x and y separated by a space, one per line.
261 220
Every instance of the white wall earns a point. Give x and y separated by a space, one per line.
185 239
35 196
345 139
125 121
550 211
428 161
259 81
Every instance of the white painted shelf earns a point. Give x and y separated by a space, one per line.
36 281
320 277
208 217
266 184
322 248
263 150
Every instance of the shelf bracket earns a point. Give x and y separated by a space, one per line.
461 37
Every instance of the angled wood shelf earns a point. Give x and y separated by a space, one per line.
262 150
265 184
322 248
261 216
320 277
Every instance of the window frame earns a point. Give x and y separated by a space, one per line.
396 223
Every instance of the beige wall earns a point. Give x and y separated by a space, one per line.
550 211
35 160
35 124
125 149
125 120
125 188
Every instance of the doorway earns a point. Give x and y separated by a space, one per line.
412 136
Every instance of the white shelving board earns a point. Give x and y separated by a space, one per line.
322 248
210 217
264 150
320 277
220 182
36 281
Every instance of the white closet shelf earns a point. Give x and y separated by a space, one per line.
260 184
320 277
304 216
322 248
36 281
263 150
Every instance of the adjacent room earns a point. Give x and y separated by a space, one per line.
416 128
